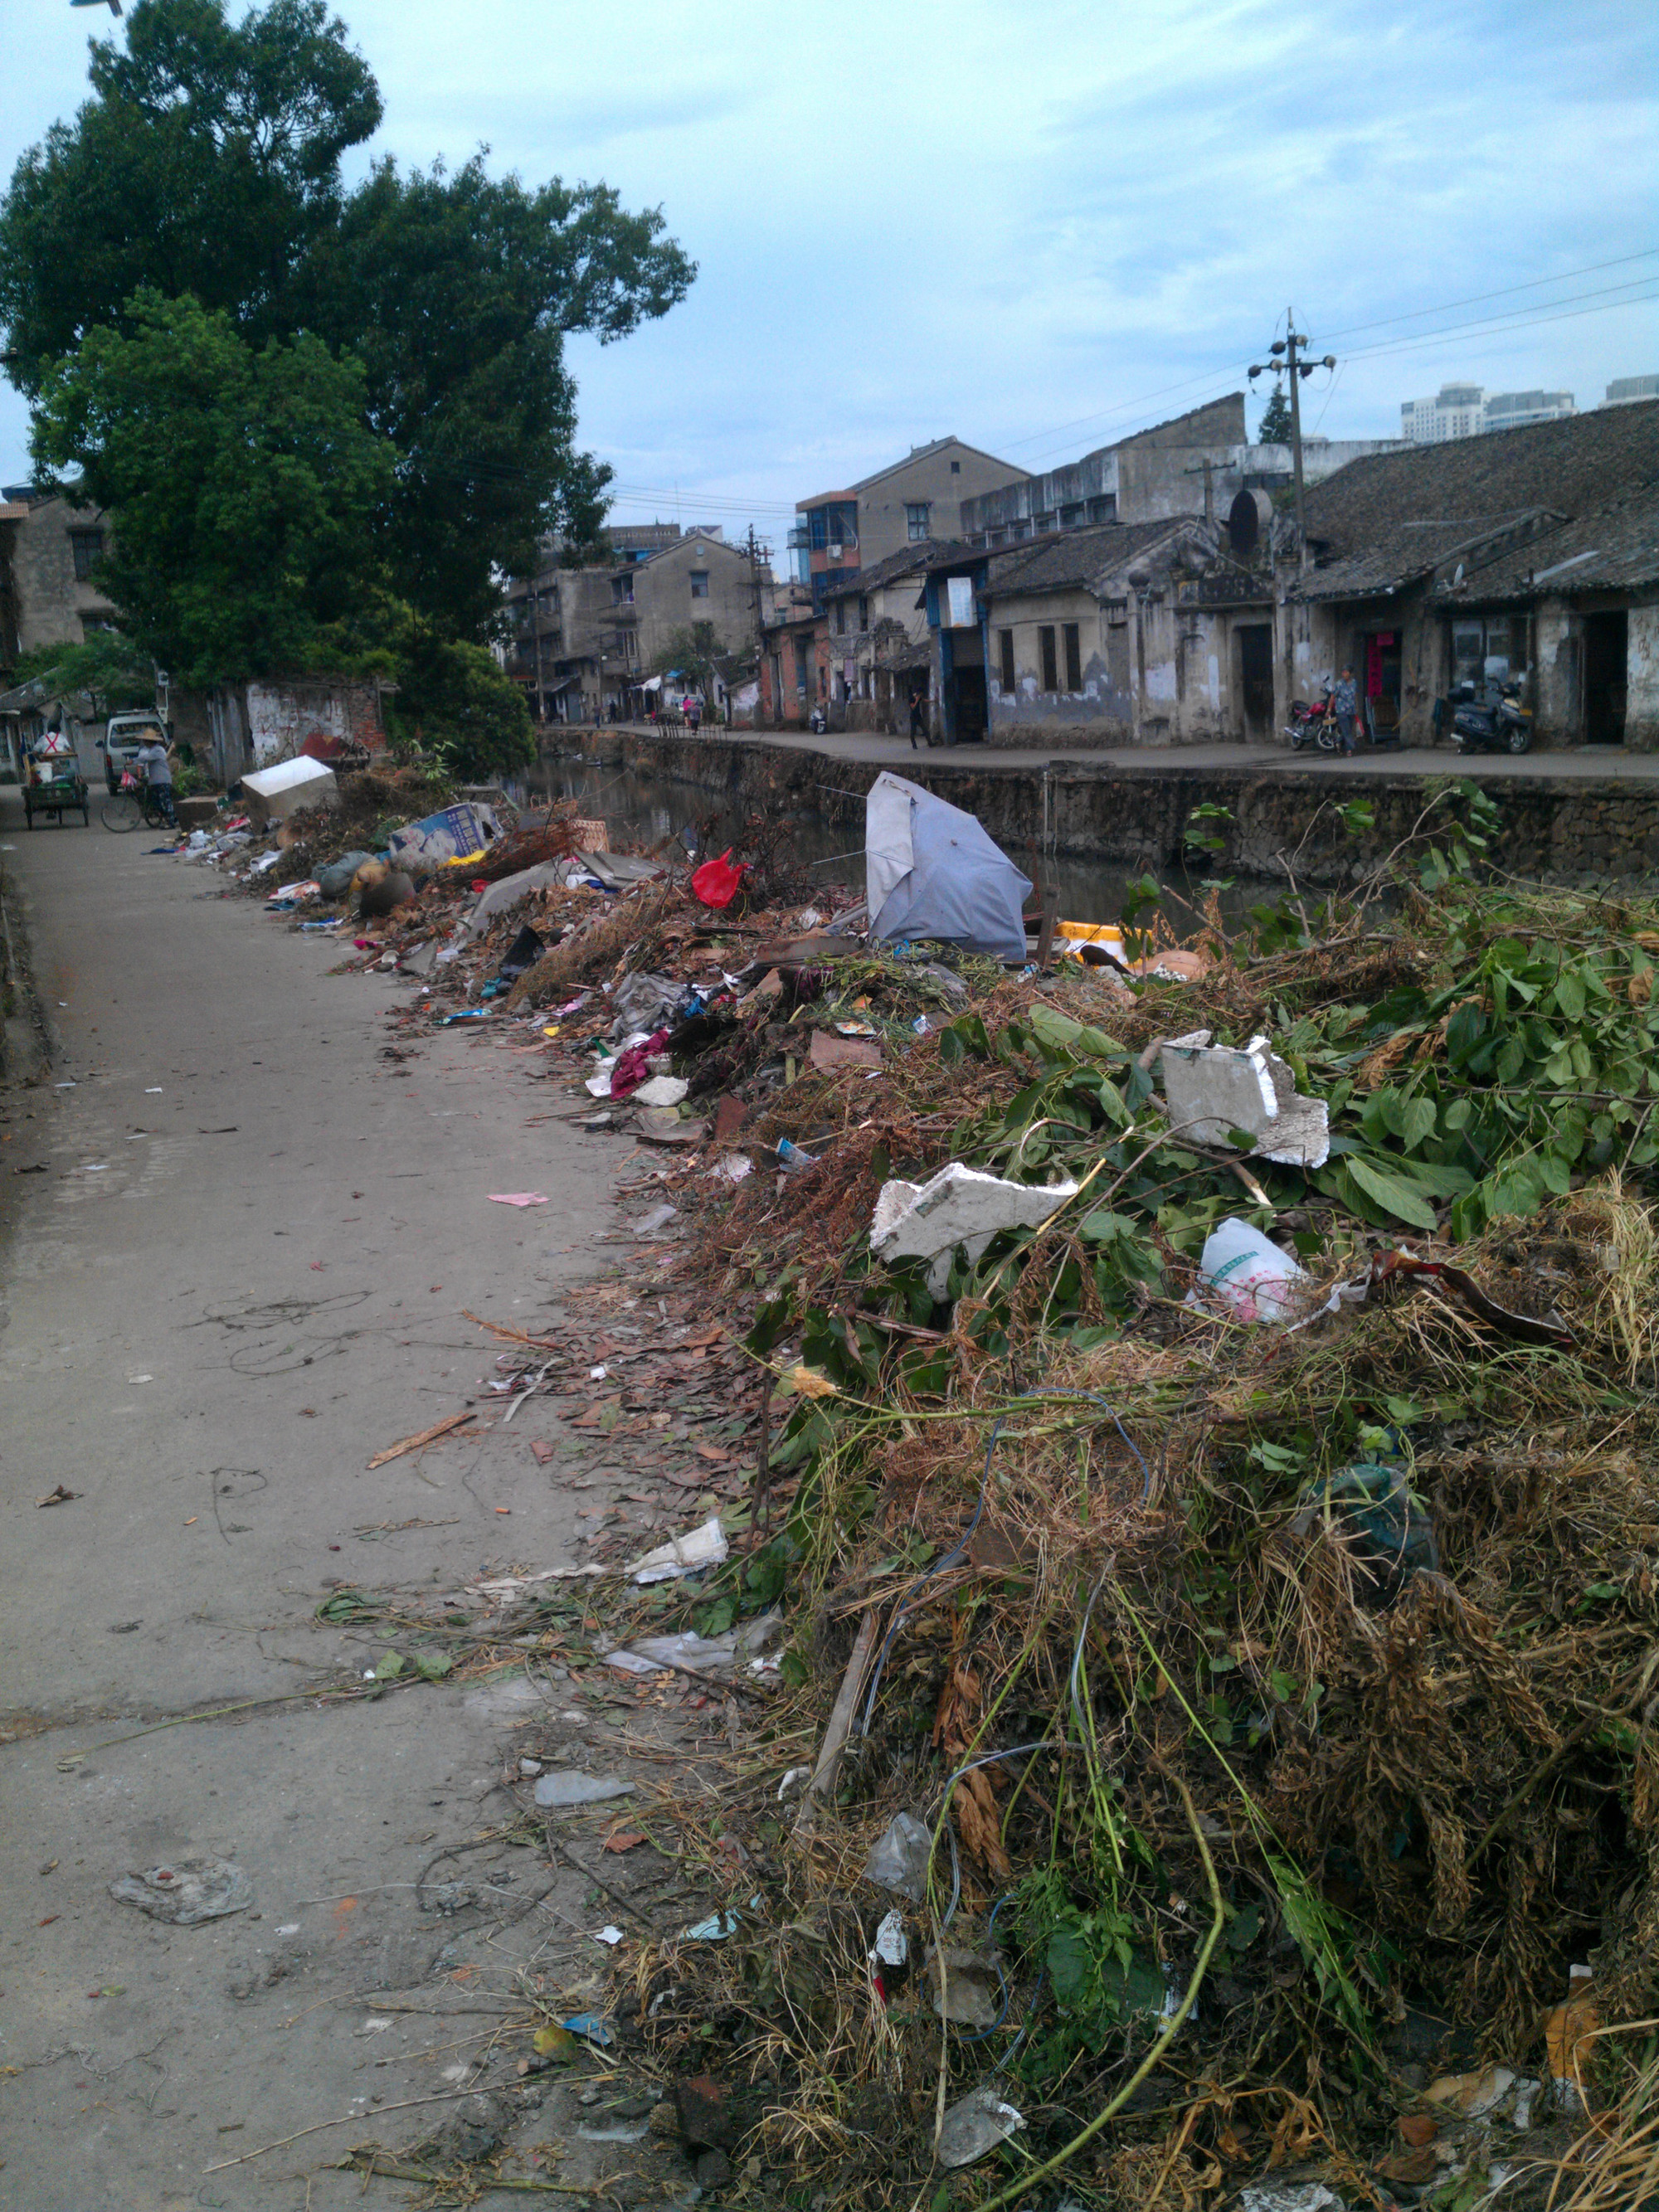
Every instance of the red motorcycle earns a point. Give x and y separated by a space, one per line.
1314 725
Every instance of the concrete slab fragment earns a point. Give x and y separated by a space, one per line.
958 1206
1211 1090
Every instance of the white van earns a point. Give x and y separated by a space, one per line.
123 735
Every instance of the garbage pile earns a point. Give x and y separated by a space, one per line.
1207 1456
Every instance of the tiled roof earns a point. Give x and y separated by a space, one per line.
1617 548
1077 557
1390 518
910 561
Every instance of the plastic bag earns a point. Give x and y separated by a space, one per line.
1250 1276
899 1860
717 882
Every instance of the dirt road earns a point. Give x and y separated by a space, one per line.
238 1243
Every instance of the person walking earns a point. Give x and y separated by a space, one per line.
1345 705
918 717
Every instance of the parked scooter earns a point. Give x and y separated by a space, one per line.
1493 721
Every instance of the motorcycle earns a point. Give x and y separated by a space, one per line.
1313 725
1317 725
1496 722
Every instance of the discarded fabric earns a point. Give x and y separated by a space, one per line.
517 1198
187 1892
933 872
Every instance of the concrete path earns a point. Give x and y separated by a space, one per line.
1590 763
237 1245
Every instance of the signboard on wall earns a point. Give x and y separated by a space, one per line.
960 599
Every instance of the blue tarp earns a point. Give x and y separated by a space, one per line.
930 871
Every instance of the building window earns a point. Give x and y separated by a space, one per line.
1070 518
864 612
1042 522
622 591
1006 647
87 548
1074 658
1103 510
916 519
955 468
840 617
700 583
1046 646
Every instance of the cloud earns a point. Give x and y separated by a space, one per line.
1000 217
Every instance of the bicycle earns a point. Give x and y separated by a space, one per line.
136 802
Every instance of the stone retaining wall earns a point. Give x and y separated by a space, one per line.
1563 830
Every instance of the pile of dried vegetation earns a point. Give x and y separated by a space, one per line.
1273 1704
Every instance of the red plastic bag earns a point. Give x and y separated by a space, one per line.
717 882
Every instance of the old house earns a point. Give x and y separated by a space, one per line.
1531 555
49 554
585 639
878 646
837 533
794 661
1143 633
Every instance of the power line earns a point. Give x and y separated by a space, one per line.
1475 298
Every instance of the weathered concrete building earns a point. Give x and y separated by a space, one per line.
1144 633
1532 556
1198 463
837 533
49 551
878 649
585 639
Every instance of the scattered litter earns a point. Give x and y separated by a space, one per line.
792 1160
1289 2196
892 1946
932 871
1568 2030
58 1497
899 1858
565 1786
661 1090
186 1892
590 2027
975 2125
1250 1276
518 1198
683 1555
734 1167
609 1935
652 1224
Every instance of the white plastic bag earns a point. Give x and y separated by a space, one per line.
1251 1277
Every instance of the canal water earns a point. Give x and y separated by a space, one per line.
642 809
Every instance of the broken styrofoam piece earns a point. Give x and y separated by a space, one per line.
975 2125
959 1205
891 1947
683 1555
1211 1089
661 1090
1289 2196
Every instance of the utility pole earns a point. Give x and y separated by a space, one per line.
756 550
1289 360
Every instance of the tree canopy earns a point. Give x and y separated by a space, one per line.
244 481
206 167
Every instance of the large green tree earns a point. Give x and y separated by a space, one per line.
207 164
244 481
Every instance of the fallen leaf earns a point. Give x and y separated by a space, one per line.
624 1840
553 2042
543 1452
58 1497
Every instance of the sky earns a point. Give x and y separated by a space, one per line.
1035 224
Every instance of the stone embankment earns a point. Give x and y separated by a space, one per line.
1567 829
